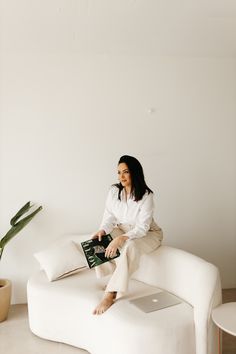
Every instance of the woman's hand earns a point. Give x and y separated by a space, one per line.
99 235
114 245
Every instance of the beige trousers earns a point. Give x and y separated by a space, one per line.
127 263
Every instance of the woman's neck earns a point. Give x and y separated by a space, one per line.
127 190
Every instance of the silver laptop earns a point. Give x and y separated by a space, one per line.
156 301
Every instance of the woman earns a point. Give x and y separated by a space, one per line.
128 217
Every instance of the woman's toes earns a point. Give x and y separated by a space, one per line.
106 302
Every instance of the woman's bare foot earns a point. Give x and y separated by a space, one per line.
106 302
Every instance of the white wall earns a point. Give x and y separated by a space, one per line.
67 115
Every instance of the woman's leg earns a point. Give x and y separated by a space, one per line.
108 267
126 265
128 262
103 270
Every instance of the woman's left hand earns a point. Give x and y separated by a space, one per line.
114 245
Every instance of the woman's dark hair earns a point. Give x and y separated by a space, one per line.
139 187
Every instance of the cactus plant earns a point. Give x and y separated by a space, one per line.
18 224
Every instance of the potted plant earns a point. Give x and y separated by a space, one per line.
17 224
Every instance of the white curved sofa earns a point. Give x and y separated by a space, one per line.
62 310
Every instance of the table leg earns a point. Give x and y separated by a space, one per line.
219 341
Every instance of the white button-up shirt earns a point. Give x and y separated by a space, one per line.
134 218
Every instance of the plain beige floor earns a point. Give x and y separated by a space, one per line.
16 338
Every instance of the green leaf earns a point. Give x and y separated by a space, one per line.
17 227
1 251
22 211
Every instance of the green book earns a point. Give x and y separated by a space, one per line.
94 250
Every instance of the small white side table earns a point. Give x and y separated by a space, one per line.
224 316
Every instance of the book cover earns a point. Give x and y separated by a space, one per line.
94 250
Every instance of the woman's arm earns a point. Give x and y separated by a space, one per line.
144 218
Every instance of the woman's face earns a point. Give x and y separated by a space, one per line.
124 175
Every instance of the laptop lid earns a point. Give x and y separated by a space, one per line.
155 301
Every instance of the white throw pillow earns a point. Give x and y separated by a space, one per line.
60 260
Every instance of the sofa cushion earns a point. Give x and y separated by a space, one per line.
61 260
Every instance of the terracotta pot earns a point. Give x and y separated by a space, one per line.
5 298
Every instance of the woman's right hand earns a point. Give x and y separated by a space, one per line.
99 235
